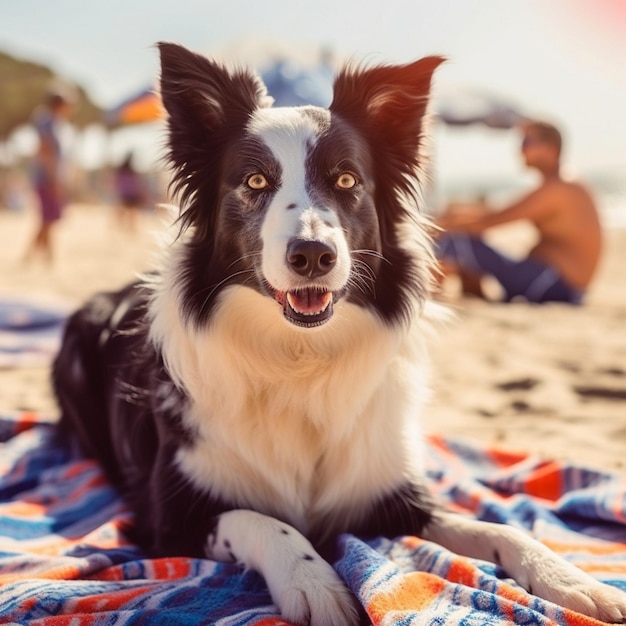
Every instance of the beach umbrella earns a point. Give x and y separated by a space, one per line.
291 84
142 107
462 107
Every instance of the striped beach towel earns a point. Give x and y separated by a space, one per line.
65 560
30 333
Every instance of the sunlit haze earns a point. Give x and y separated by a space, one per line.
563 60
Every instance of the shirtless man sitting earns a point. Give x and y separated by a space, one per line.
559 268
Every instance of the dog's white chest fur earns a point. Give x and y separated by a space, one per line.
295 424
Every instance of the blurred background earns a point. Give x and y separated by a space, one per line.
563 61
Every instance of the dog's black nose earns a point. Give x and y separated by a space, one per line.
310 258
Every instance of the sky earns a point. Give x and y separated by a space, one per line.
562 60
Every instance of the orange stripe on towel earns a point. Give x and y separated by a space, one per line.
114 600
170 568
546 481
505 458
463 572
413 592
590 547
23 509
26 420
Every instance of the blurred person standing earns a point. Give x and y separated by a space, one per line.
131 193
49 169
561 265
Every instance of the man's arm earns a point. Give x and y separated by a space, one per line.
532 207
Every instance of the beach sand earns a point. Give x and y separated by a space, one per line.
549 379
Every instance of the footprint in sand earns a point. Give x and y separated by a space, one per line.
521 384
615 372
600 393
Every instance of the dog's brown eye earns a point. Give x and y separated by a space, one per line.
345 181
257 182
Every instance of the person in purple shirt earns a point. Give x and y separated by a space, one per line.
131 193
48 170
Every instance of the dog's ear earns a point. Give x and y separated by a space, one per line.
386 100
202 95
206 103
386 104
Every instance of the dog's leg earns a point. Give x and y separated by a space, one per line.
530 563
305 588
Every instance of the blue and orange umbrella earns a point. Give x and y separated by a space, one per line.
143 107
460 109
289 85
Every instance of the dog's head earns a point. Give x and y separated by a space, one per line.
308 206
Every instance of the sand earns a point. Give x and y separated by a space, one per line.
548 379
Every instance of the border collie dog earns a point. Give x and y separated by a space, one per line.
258 394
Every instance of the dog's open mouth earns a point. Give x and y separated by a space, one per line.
307 307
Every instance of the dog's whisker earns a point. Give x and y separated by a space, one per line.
364 281
244 257
361 283
215 287
373 253
364 273
364 267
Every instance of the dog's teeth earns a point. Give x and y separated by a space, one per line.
296 303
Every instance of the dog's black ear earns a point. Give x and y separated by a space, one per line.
203 95
387 101
392 98
386 104
206 104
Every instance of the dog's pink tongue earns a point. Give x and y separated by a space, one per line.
309 301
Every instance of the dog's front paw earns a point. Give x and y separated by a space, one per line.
308 591
573 589
305 588
603 602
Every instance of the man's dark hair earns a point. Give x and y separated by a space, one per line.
545 132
